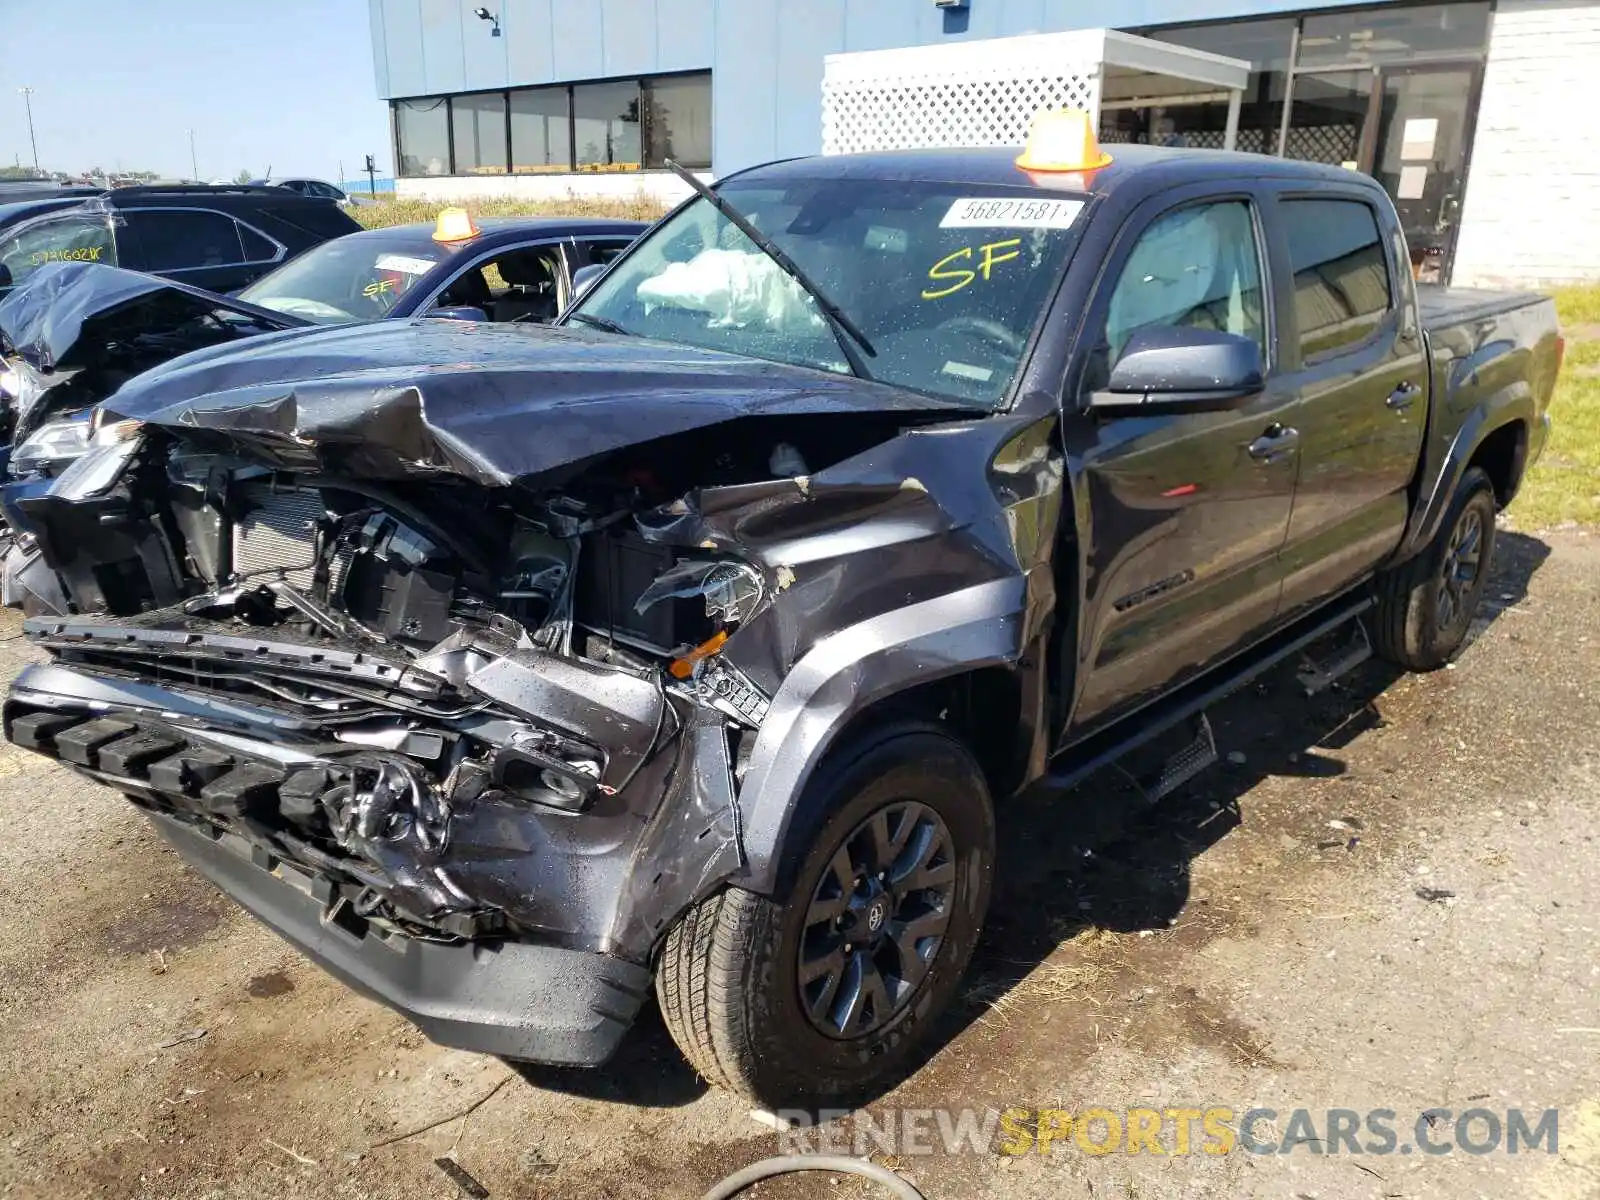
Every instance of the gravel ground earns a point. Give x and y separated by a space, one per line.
1385 899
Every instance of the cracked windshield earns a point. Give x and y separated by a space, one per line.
946 281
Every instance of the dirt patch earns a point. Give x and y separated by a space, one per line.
265 987
176 920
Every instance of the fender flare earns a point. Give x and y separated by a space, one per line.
843 675
1515 403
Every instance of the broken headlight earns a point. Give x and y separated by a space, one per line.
731 589
51 446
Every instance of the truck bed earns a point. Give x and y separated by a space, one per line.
1442 306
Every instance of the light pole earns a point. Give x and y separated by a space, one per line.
194 166
27 100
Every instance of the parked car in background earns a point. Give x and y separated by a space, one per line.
495 269
42 189
77 331
219 238
311 187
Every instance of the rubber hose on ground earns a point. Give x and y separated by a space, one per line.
790 1164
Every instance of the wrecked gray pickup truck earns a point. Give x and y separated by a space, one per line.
509 671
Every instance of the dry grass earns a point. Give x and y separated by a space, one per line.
1565 485
406 212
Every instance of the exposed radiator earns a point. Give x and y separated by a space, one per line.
278 534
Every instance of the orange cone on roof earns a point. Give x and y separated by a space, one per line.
1062 149
454 225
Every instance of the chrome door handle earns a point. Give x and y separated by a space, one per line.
1274 442
1403 396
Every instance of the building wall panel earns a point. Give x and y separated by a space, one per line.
685 32
444 66
1533 190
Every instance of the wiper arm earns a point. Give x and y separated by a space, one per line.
605 323
845 331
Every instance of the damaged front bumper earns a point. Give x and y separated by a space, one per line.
509 909
513 999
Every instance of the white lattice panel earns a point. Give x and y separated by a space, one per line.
909 112
987 92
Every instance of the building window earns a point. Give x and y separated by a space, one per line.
1394 35
678 121
541 130
478 129
625 126
1267 45
422 136
605 124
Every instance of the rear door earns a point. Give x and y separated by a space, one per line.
1353 350
1183 515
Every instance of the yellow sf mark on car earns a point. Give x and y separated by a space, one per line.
989 256
377 288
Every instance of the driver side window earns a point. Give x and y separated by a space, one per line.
1197 267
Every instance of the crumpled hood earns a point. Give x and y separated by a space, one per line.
489 403
52 319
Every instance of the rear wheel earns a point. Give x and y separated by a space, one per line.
826 990
1426 605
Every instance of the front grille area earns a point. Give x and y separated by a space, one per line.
278 533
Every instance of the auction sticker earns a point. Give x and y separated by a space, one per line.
404 264
990 212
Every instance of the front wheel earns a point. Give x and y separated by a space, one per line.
825 991
1426 604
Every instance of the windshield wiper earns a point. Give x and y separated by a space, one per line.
845 331
605 323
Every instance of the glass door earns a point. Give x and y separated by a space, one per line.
1420 148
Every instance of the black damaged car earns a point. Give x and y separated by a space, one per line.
513 671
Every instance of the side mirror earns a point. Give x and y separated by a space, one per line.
1172 369
583 278
463 312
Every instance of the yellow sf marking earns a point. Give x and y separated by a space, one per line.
989 257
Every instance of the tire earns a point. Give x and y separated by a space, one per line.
729 980
1421 621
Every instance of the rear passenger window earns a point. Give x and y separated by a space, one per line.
1341 274
256 247
1197 267
184 239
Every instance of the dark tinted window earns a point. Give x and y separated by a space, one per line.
256 247
422 131
1394 34
541 139
478 124
606 122
678 121
1267 45
596 253
1341 275
172 240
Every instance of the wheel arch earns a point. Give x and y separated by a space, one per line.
958 661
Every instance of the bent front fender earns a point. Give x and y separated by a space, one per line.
846 673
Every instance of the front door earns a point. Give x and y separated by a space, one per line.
1183 516
1420 156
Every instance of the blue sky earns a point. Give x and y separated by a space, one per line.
118 82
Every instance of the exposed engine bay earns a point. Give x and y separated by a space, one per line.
420 657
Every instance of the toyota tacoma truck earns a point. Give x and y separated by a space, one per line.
690 644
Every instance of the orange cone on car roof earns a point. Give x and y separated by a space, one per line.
1062 143
454 225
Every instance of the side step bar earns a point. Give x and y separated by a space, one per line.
1077 762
